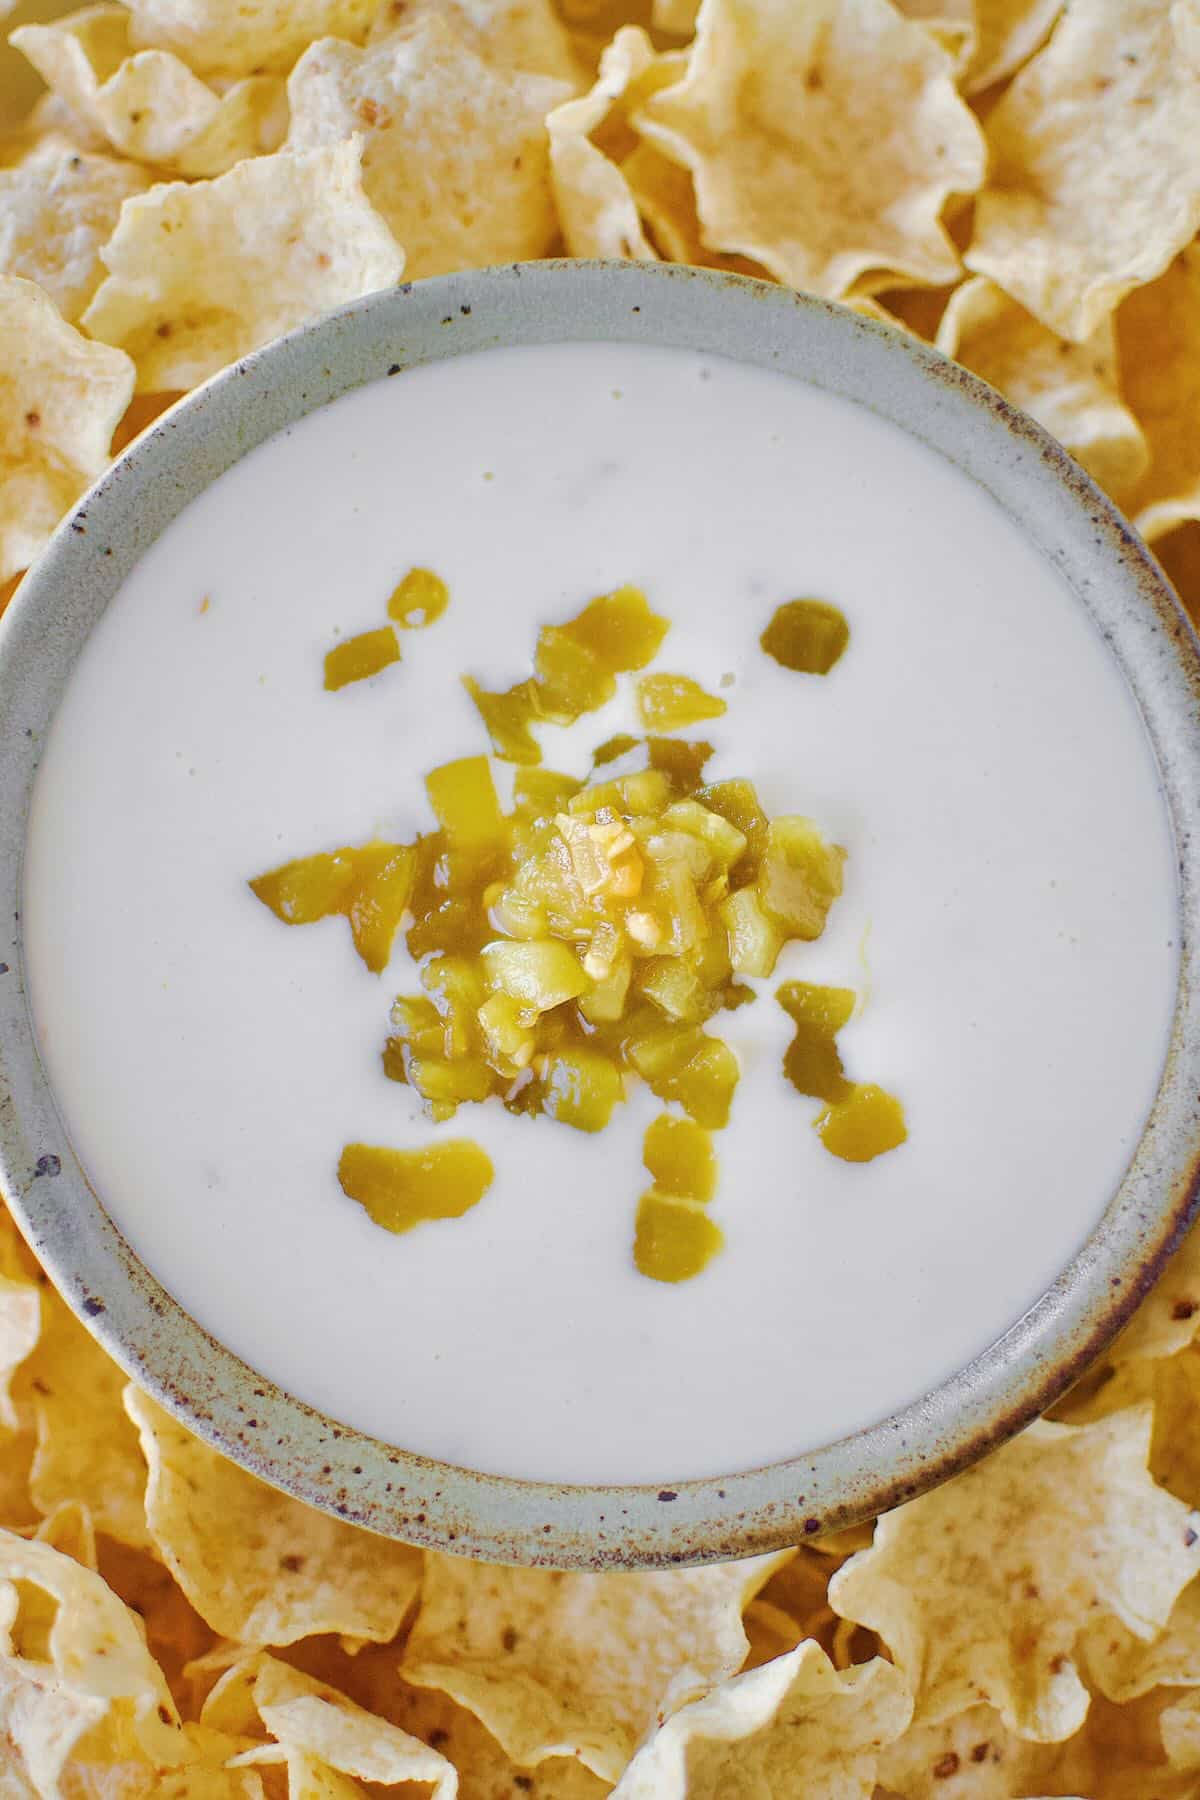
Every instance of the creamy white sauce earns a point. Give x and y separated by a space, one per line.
1009 901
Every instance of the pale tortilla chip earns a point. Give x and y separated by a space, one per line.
982 1589
93 1643
87 1450
206 272
508 34
257 1565
596 208
52 117
972 1756
1071 389
455 155
1158 332
580 1664
20 1327
58 206
149 105
60 399
330 1733
791 1729
245 37
824 140
1095 177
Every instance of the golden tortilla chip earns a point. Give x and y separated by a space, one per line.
578 1665
1006 34
824 140
1158 332
149 105
1179 1724
792 1729
1071 389
1095 176
257 1565
971 1756
598 213
245 37
455 155
982 1589
58 206
60 399
87 1450
1179 554
1169 1317
69 1530
675 16
204 273
524 35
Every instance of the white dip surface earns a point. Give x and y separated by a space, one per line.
1009 898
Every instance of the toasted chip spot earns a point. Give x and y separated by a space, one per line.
185 256
824 142
60 403
1095 181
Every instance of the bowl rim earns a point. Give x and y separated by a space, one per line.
502 1519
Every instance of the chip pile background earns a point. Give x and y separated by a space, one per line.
1017 181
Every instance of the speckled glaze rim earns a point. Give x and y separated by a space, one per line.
356 1477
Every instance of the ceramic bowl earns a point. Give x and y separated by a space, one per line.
381 1486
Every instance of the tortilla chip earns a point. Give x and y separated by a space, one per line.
86 1448
1179 554
52 117
175 1633
982 1589
92 1641
20 1326
205 273
919 310
1180 1727
1071 389
508 34
1158 331
58 206
455 155
972 1756
792 1729
245 37
1095 180
1169 1317
1006 34
596 208
60 399
316 1723
580 1664
824 140
678 17
257 1565
149 105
